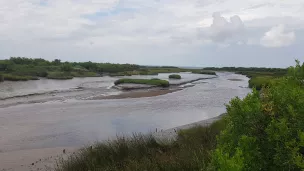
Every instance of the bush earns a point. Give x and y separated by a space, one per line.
175 76
160 83
260 82
265 131
59 75
190 151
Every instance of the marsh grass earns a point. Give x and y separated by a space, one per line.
11 77
175 76
190 151
59 75
156 82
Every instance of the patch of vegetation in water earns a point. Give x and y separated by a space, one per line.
175 76
156 82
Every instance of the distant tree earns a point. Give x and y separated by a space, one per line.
56 62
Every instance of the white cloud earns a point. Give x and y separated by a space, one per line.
278 37
50 28
222 30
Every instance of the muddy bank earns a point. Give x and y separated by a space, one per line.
34 159
137 94
171 134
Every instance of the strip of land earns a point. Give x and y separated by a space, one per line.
137 94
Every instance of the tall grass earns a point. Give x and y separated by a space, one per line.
190 151
160 83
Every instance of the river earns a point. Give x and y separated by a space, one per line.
57 114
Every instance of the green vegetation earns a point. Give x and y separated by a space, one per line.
1 78
141 152
251 71
263 131
259 77
156 82
175 76
59 75
22 69
9 77
260 81
204 72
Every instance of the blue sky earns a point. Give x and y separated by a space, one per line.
155 32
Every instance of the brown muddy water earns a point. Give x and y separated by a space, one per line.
49 113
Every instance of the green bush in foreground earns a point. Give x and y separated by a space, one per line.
203 72
175 76
265 131
190 151
160 83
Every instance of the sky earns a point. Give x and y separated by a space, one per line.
199 33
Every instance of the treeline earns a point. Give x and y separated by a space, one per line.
21 68
255 69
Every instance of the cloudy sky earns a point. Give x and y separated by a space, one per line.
155 32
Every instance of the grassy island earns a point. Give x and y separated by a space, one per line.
175 76
156 82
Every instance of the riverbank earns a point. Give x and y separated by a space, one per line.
46 158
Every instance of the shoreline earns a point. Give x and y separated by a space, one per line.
45 158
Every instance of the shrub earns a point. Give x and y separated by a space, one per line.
66 67
260 82
265 131
160 83
175 76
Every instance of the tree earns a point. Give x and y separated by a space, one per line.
56 62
